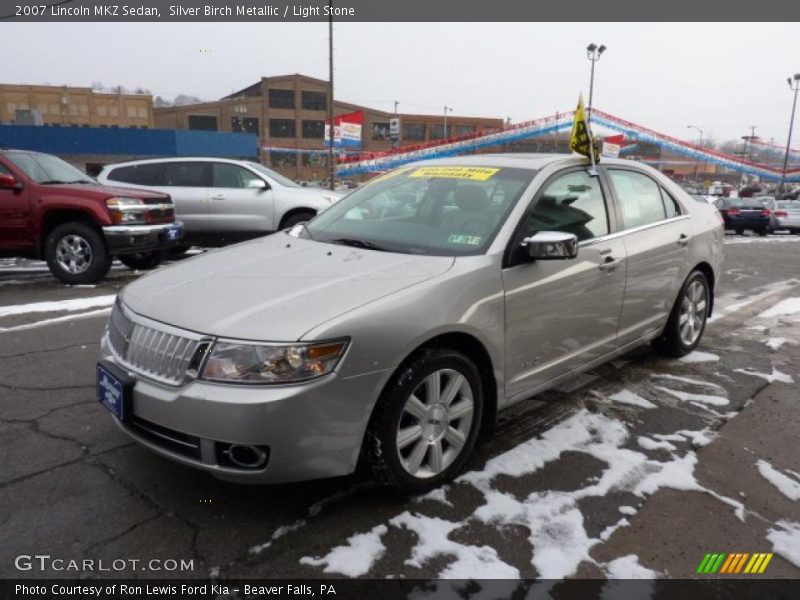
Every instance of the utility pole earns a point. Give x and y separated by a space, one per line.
792 86
331 137
446 108
396 104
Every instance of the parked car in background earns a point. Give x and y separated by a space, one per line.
222 201
391 329
740 214
50 210
786 215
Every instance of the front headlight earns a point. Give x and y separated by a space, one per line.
256 363
126 211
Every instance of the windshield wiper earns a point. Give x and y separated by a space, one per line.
358 244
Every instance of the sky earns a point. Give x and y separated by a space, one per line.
722 78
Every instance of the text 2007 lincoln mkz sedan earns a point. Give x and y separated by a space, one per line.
393 327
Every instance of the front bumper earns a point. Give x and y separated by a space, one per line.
310 430
129 239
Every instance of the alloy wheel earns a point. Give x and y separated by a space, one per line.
73 254
693 312
435 423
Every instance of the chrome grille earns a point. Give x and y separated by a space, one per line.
152 349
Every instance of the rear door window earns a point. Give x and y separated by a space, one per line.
144 174
639 198
185 174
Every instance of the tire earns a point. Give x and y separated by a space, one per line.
762 232
672 342
298 217
391 463
142 261
740 232
76 253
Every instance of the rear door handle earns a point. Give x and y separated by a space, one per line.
218 197
610 263
683 240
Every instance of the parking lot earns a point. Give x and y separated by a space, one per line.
639 467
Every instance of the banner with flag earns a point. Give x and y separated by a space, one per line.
580 140
346 131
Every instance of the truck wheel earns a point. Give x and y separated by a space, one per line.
298 217
142 261
426 422
76 253
687 321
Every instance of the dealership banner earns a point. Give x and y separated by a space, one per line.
480 11
346 131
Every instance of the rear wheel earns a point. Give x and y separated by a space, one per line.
76 253
142 261
687 321
762 232
426 422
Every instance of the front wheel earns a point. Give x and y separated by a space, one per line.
687 321
76 253
297 218
426 422
142 261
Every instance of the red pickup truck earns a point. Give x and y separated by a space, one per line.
50 210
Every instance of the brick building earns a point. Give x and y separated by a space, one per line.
74 106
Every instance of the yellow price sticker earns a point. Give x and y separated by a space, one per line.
472 173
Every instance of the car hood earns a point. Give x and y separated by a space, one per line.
275 288
102 191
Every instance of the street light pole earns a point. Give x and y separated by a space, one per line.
446 108
593 52
795 87
331 155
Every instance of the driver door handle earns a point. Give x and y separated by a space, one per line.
218 197
610 263
683 240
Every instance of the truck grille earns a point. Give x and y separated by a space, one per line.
152 349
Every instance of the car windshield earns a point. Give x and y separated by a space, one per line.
434 210
277 177
48 169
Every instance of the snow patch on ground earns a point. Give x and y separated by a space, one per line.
689 397
698 357
627 510
628 397
688 380
437 495
74 304
775 343
786 485
789 306
786 541
278 533
769 377
650 444
356 558
44 322
628 567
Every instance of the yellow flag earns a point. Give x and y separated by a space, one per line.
580 140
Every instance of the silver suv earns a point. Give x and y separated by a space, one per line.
392 328
222 201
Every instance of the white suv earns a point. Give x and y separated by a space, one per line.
222 201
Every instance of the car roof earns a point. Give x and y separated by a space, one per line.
145 161
525 160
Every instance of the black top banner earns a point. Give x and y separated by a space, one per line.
401 10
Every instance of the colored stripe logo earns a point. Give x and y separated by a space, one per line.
734 563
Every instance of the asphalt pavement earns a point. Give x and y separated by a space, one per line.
638 468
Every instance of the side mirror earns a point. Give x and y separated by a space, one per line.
257 184
9 182
551 245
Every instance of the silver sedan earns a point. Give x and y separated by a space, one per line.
392 328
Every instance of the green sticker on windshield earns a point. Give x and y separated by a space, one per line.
472 240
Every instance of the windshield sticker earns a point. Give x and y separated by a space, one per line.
472 173
472 240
